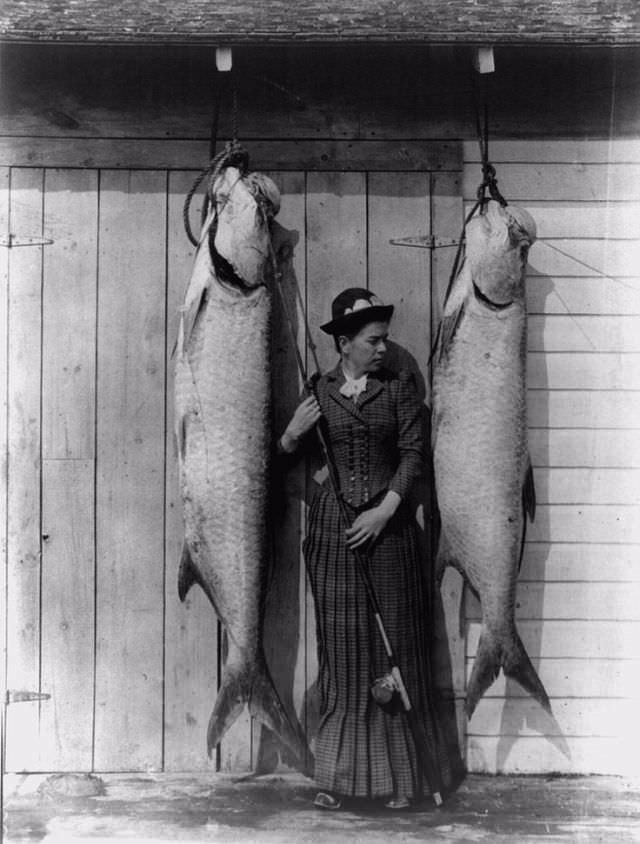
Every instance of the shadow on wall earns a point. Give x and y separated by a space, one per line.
517 720
284 622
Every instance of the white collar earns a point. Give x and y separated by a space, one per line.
352 387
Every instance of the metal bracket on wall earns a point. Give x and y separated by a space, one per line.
15 240
427 241
24 697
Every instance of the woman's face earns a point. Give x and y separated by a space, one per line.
365 351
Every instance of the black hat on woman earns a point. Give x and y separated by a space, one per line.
354 308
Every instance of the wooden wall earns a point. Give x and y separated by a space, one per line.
579 588
97 151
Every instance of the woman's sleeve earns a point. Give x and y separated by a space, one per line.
410 435
307 448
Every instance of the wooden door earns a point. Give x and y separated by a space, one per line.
91 501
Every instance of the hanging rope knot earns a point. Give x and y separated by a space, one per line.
489 183
235 155
488 173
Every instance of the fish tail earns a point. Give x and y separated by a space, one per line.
250 682
232 696
266 706
517 665
506 651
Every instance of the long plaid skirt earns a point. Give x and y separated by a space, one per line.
361 749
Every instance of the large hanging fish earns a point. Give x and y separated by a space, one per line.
483 476
222 400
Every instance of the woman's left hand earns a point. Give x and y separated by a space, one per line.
369 524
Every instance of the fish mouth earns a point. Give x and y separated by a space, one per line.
226 274
489 303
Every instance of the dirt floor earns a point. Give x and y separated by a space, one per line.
278 808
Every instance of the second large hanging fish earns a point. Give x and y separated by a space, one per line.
484 482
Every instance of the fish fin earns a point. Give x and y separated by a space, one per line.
266 706
440 565
507 652
486 668
447 330
517 665
252 683
462 608
181 436
191 315
232 696
444 558
528 506
187 573
529 493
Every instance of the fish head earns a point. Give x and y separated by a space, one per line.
497 246
241 238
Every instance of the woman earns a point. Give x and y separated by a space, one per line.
374 426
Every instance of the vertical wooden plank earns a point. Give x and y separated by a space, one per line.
69 317
449 643
336 247
4 282
285 606
130 471
24 427
399 206
191 628
68 399
66 725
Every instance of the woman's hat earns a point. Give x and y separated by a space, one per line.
354 308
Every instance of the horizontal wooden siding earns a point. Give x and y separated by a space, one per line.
579 589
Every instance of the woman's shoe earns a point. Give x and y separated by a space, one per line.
326 801
397 803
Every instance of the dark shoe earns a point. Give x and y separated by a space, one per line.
401 802
324 800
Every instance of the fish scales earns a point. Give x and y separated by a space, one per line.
476 483
481 461
223 430
226 468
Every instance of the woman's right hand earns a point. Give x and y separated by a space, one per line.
305 417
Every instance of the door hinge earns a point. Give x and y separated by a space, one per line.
427 241
15 240
22 697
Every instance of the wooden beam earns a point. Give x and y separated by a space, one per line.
253 21
174 154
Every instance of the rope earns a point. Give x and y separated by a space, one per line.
489 183
489 180
233 155
234 123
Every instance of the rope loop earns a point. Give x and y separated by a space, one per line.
489 183
233 155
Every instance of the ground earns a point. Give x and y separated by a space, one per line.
278 808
